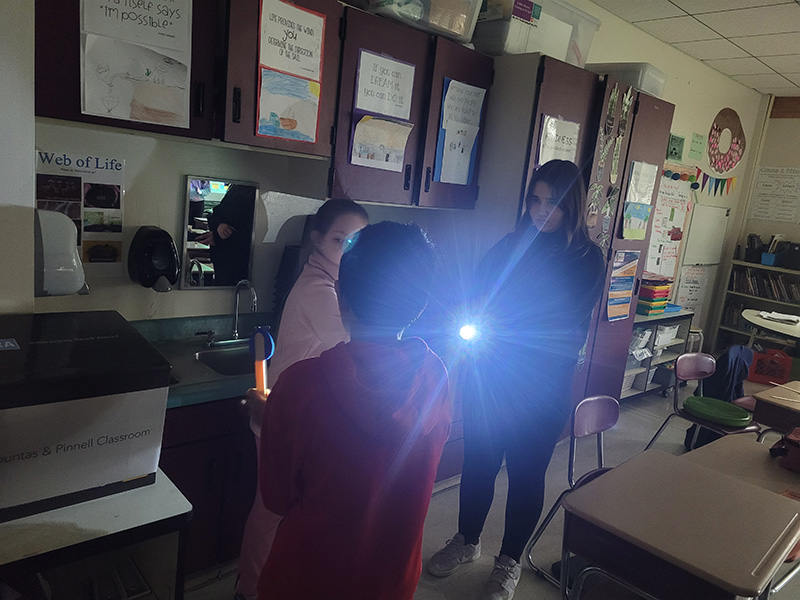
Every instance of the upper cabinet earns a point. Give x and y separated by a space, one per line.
411 106
134 81
282 68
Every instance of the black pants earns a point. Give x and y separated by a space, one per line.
527 444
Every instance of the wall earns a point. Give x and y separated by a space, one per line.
781 149
698 93
16 151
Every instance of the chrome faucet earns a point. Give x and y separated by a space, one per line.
244 283
196 263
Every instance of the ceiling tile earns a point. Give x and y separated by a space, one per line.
755 81
677 29
739 66
769 45
793 77
783 64
711 49
694 7
781 18
641 11
794 91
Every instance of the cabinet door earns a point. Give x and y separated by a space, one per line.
566 93
59 67
460 64
648 143
243 83
397 47
197 470
241 478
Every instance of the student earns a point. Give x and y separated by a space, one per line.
535 291
311 324
352 439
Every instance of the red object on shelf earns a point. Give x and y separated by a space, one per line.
770 366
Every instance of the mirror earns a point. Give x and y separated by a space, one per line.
218 232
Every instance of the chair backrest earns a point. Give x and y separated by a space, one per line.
694 365
591 416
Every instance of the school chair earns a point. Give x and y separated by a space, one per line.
591 416
724 418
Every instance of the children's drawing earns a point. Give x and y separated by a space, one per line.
127 81
380 143
288 107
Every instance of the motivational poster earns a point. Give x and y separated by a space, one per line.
384 86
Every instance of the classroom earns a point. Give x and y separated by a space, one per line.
683 119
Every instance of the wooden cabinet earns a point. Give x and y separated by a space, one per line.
209 453
656 342
59 67
377 43
243 77
759 287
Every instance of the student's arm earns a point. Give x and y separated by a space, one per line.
283 443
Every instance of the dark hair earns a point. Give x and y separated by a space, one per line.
567 184
331 210
387 274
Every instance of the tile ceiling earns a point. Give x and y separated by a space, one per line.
756 42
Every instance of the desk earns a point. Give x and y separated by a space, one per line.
148 523
759 323
776 413
678 529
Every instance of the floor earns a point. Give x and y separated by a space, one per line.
639 419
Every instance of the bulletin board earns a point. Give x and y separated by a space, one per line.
669 226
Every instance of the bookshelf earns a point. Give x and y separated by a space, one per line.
760 287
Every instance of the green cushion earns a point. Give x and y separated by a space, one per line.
717 411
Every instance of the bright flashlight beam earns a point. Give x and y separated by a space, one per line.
468 332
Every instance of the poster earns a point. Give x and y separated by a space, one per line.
642 182
692 289
291 39
136 61
290 59
634 224
669 221
380 143
288 106
620 290
384 86
459 127
559 140
89 190
697 146
777 195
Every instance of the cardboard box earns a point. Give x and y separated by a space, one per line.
82 402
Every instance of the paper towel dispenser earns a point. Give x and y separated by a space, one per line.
153 259
58 270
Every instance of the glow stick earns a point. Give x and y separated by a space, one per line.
260 343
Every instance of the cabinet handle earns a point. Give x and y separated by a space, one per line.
236 109
428 179
407 178
636 291
199 99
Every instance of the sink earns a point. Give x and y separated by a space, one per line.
232 360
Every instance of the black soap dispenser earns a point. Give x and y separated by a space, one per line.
153 259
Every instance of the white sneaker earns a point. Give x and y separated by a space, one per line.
453 555
503 580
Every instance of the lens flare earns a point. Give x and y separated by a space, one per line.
468 332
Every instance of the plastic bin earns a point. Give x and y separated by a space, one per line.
552 27
627 382
642 76
451 18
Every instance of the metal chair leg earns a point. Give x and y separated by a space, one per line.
660 430
540 530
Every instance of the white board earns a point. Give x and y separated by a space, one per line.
706 235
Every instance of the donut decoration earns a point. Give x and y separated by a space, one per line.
719 161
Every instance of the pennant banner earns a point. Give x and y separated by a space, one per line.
716 185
